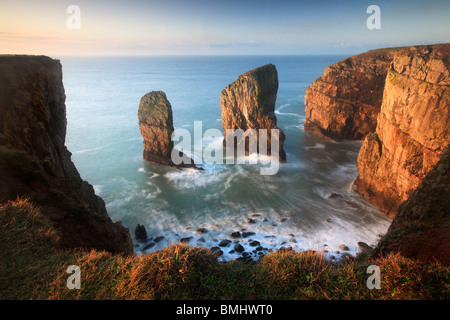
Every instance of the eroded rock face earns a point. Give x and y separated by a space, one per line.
34 160
249 103
156 125
344 102
421 227
412 127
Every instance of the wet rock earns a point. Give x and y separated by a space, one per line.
185 240
239 248
259 248
254 243
343 247
148 246
351 204
250 221
335 196
236 234
158 239
140 233
364 246
224 243
282 220
247 234
217 251
231 252
202 230
201 240
328 220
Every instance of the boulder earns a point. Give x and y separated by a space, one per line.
140 233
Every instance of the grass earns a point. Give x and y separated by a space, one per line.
33 266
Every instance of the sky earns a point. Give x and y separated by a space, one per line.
211 27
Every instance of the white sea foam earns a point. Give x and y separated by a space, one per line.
316 146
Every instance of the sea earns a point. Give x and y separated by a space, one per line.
290 209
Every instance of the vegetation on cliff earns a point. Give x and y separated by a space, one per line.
33 267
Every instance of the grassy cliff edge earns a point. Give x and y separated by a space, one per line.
35 267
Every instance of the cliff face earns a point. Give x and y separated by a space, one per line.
34 160
249 103
156 126
344 102
421 227
412 127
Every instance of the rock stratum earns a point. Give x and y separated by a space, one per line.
34 161
156 126
398 163
421 227
249 103
412 127
344 102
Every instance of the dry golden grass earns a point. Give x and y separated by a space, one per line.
33 267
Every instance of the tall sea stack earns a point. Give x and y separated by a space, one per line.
249 103
156 125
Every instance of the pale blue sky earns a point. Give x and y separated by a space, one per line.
176 27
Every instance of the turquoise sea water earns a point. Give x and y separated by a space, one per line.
290 208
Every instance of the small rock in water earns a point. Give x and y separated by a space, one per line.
202 230
364 246
335 196
254 243
351 204
282 219
250 220
148 246
247 234
239 248
224 243
343 247
140 233
236 234
217 251
158 239
187 239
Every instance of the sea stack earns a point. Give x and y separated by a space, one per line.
412 130
156 125
249 103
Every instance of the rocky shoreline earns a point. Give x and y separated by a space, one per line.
246 244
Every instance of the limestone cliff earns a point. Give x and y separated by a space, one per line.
343 103
249 103
412 127
421 227
35 162
156 126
